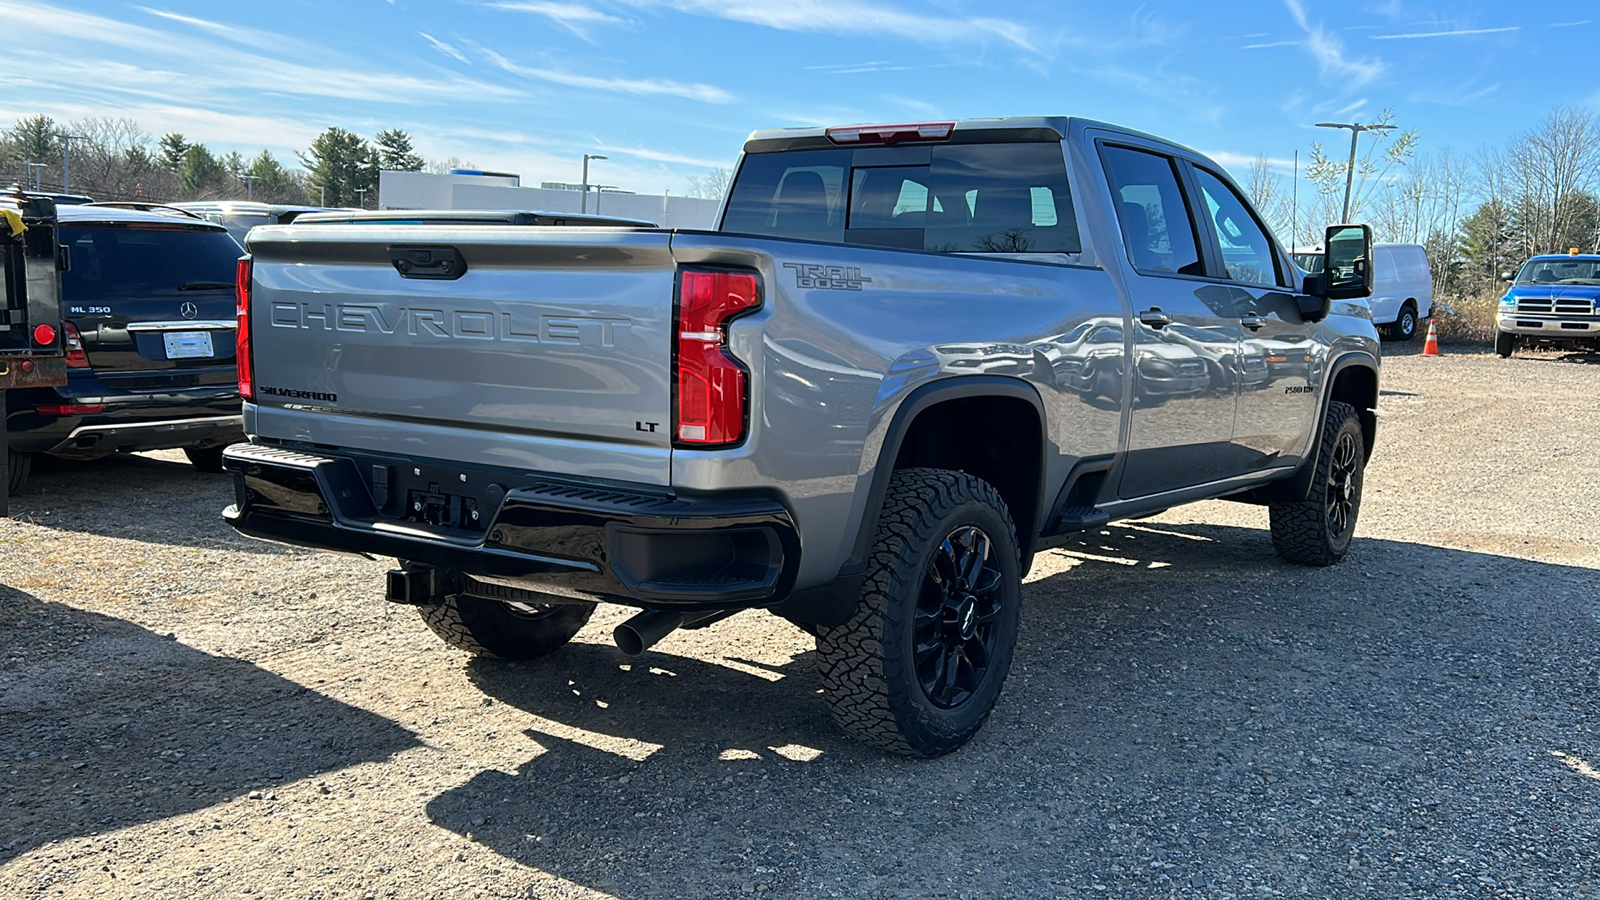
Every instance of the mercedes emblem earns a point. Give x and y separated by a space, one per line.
189 310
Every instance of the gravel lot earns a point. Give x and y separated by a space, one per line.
184 713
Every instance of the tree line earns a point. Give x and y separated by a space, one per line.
114 159
1479 214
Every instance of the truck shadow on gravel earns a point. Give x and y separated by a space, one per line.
135 497
1186 716
109 725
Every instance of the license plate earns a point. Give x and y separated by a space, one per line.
188 344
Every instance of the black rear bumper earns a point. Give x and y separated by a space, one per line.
587 540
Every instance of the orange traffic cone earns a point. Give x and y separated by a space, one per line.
1430 347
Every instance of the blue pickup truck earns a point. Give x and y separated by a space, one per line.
1553 301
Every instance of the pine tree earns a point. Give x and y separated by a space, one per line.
173 147
340 163
395 153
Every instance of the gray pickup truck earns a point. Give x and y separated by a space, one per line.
910 358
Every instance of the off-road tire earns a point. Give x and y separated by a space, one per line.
18 465
493 628
1307 532
1504 344
869 670
206 459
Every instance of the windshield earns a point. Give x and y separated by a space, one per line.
1560 271
1311 263
110 262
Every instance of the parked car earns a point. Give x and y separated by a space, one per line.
909 358
239 216
1553 300
31 350
147 306
1402 286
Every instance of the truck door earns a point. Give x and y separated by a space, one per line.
1184 337
1278 358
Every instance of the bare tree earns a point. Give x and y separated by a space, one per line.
1554 167
1269 198
711 186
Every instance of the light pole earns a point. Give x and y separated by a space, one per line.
66 158
322 195
361 197
586 158
598 190
249 185
1350 171
33 174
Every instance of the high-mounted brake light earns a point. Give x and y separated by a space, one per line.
241 335
892 134
713 387
76 358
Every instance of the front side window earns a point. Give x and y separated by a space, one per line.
1247 253
963 198
1152 211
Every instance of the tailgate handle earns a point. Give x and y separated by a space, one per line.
417 261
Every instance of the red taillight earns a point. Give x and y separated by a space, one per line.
70 409
892 134
241 335
76 358
44 335
712 385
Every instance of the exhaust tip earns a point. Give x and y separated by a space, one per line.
641 632
628 640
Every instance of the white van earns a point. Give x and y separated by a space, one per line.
1402 286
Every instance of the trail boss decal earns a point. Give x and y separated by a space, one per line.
827 278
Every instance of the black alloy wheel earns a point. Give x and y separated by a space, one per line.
1344 486
958 611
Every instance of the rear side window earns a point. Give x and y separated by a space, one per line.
114 262
965 198
1156 224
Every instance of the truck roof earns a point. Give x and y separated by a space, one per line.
1025 127
1556 257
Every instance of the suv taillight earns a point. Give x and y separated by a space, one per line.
76 357
713 387
242 357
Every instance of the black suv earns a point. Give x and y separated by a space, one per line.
147 308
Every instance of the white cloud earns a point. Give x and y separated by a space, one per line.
662 156
1452 33
1329 53
703 92
442 47
190 68
855 19
572 16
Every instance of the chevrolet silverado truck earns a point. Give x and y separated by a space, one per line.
1554 301
909 358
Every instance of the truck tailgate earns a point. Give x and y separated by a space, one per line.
551 350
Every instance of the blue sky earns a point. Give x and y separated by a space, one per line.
669 88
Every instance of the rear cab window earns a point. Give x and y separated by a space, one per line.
952 198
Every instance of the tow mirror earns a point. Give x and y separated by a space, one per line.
1349 265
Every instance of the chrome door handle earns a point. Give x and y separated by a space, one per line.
1252 322
1155 318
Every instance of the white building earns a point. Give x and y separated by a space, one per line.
424 190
